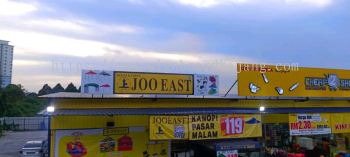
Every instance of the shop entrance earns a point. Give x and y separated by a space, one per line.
213 148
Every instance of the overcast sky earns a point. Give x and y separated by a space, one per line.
54 40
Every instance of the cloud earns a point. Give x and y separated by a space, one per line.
41 58
26 63
51 44
318 3
213 3
73 26
208 3
35 70
12 8
55 24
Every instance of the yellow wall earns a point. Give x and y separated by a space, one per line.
85 122
89 122
275 118
186 103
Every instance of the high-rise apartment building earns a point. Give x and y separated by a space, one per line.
6 57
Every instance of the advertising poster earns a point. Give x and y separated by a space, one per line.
97 82
273 80
227 153
340 122
213 126
309 124
206 85
153 83
92 143
168 127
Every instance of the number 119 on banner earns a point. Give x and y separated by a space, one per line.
232 125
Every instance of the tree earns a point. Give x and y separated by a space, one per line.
58 88
15 103
32 95
10 96
71 88
13 93
45 90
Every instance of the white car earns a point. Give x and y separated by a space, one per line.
34 149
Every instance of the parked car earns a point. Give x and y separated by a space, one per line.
34 149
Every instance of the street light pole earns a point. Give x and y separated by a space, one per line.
50 110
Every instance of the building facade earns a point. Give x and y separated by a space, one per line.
275 114
6 58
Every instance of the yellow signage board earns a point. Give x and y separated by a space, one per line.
168 127
202 127
152 83
309 124
269 80
92 143
340 122
116 131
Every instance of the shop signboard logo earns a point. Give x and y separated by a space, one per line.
152 83
179 131
168 127
331 80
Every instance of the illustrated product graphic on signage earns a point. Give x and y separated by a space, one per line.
265 78
125 143
253 88
206 84
279 90
76 148
294 86
107 145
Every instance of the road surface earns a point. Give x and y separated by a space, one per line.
12 142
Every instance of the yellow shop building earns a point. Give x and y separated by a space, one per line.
129 114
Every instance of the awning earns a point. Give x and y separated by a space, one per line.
187 111
68 95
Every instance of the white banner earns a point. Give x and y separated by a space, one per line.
97 82
227 153
309 124
205 84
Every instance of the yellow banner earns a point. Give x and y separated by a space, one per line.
269 80
203 127
152 83
309 124
340 122
92 143
168 127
